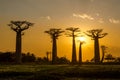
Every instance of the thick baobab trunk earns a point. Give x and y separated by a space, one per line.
80 53
18 47
96 50
74 51
54 51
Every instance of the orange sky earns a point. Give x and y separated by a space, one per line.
85 14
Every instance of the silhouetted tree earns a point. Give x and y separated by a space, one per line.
28 57
103 52
109 57
47 55
43 60
73 32
117 59
54 33
7 57
19 27
96 34
80 52
62 60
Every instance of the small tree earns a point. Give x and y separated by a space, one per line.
103 52
109 58
54 33
47 55
19 27
96 34
73 33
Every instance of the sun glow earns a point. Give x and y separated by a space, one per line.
82 38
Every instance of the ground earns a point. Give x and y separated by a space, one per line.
59 72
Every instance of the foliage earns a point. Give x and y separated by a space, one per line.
54 33
28 57
109 58
62 60
72 32
9 57
18 26
117 59
96 33
44 60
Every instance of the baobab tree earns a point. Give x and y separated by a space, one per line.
54 34
73 32
19 27
96 34
80 48
103 48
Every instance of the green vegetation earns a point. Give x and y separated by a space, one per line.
58 72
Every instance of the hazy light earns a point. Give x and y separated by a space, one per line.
82 38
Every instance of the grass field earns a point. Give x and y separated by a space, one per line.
59 72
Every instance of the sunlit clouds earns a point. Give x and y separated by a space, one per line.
83 16
96 18
46 17
115 21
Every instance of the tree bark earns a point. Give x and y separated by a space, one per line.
80 53
54 51
103 53
74 51
96 50
18 47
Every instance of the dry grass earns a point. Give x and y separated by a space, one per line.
59 72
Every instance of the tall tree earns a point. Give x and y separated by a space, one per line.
103 52
96 34
54 33
19 27
80 52
73 32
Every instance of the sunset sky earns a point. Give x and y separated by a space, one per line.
46 14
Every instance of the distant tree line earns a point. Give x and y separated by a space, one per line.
9 58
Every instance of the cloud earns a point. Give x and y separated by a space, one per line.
83 16
46 17
114 21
